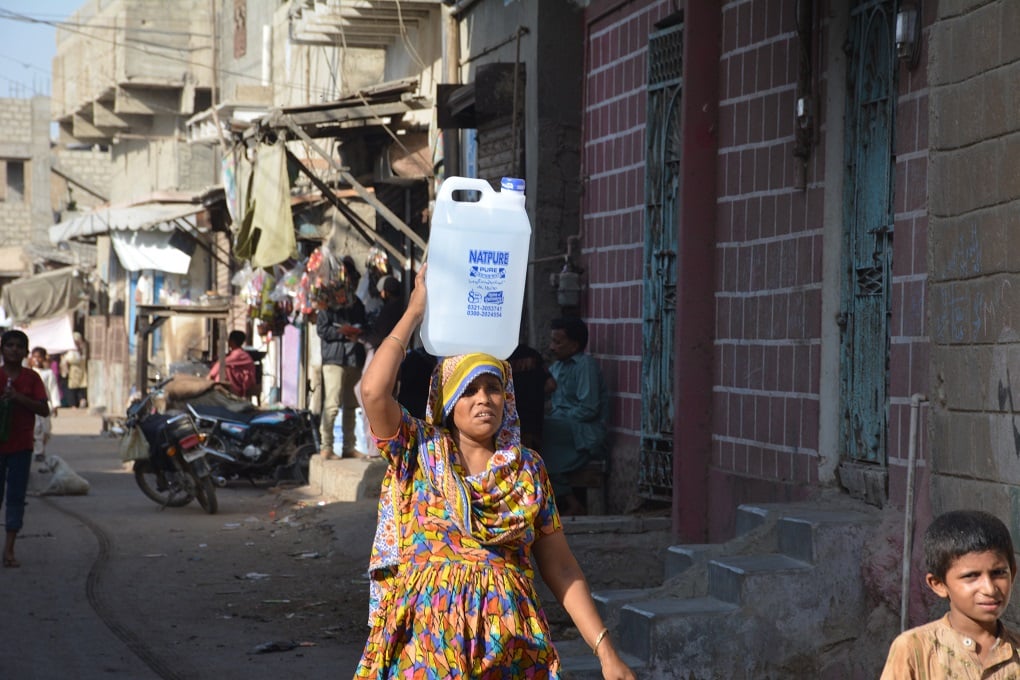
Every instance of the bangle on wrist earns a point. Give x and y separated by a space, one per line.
598 641
397 340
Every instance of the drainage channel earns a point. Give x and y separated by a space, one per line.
104 612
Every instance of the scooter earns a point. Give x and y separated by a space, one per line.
177 470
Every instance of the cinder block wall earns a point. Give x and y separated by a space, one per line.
975 313
89 166
25 123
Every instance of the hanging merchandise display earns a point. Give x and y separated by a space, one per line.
287 292
377 265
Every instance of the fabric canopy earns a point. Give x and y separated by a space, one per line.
162 251
55 335
44 295
150 216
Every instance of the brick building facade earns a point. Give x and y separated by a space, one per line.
766 248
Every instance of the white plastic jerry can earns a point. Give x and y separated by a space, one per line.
477 266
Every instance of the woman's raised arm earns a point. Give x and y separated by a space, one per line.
380 378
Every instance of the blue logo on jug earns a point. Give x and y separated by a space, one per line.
489 257
487 273
474 297
494 298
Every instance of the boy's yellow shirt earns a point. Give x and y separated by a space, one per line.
935 651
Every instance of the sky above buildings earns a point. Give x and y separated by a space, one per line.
28 43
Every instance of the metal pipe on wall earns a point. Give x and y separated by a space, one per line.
908 514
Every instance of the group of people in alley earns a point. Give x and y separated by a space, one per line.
476 482
569 433
464 501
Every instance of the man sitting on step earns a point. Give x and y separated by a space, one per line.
575 429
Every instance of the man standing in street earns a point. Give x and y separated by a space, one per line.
339 324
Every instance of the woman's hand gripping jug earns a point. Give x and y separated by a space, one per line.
477 266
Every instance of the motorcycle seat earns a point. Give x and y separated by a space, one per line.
222 413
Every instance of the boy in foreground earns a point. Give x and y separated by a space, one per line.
970 561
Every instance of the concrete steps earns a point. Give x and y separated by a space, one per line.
346 479
578 663
785 585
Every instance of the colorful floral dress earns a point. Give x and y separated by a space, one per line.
458 599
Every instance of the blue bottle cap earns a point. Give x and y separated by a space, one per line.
511 184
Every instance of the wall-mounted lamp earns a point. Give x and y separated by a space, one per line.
908 32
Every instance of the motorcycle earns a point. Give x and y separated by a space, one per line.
176 471
246 442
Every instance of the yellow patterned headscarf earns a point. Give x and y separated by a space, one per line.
480 508
457 372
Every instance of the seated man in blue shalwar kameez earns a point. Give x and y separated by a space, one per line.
575 428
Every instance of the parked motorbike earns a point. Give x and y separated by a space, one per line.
246 442
259 445
176 471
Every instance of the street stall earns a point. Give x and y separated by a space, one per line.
318 193
151 317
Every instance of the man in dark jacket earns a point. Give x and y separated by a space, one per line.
339 325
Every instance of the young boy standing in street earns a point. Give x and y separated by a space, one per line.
23 398
40 363
970 561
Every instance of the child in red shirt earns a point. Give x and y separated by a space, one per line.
22 398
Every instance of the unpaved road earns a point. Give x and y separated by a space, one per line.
113 587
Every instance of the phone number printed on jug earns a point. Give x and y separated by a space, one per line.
485 304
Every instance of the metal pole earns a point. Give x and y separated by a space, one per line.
451 137
908 518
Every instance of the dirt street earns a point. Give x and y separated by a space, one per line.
272 586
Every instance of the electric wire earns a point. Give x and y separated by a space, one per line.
12 16
140 46
407 41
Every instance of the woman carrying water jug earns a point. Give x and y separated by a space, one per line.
463 506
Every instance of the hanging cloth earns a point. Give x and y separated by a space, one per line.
266 236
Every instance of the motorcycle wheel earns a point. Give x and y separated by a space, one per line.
205 492
219 468
302 461
155 486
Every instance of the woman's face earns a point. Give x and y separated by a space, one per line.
478 413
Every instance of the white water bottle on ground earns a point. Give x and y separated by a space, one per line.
477 267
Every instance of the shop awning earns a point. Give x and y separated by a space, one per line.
165 251
151 216
44 295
